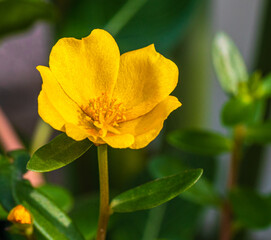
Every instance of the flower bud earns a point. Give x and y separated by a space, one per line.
20 215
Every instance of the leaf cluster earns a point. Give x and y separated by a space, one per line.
242 115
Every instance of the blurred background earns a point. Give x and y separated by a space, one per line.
183 31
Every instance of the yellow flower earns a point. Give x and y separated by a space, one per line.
91 91
20 215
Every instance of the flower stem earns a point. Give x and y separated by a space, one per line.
226 218
104 192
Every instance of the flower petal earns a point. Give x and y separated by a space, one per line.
148 126
96 140
49 114
86 68
145 79
75 132
119 141
61 108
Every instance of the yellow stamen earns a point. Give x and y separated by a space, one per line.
105 113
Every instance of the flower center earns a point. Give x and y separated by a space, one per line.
105 113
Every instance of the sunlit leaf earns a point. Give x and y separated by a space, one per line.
229 64
202 193
156 192
61 151
200 141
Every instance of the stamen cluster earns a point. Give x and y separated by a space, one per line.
105 111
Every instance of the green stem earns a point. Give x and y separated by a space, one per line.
122 17
104 192
226 221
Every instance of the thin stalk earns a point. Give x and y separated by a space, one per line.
226 219
104 192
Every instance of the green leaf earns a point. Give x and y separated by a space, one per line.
260 133
20 14
250 209
9 172
200 141
156 192
238 111
61 151
49 220
264 89
60 196
3 213
201 193
85 215
20 158
229 64
6 176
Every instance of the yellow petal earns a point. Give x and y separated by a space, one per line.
145 79
76 132
96 140
148 126
119 141
57 103
48 113
86 68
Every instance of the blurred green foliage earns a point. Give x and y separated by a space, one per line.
200 141
17 15
143 22
251 209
